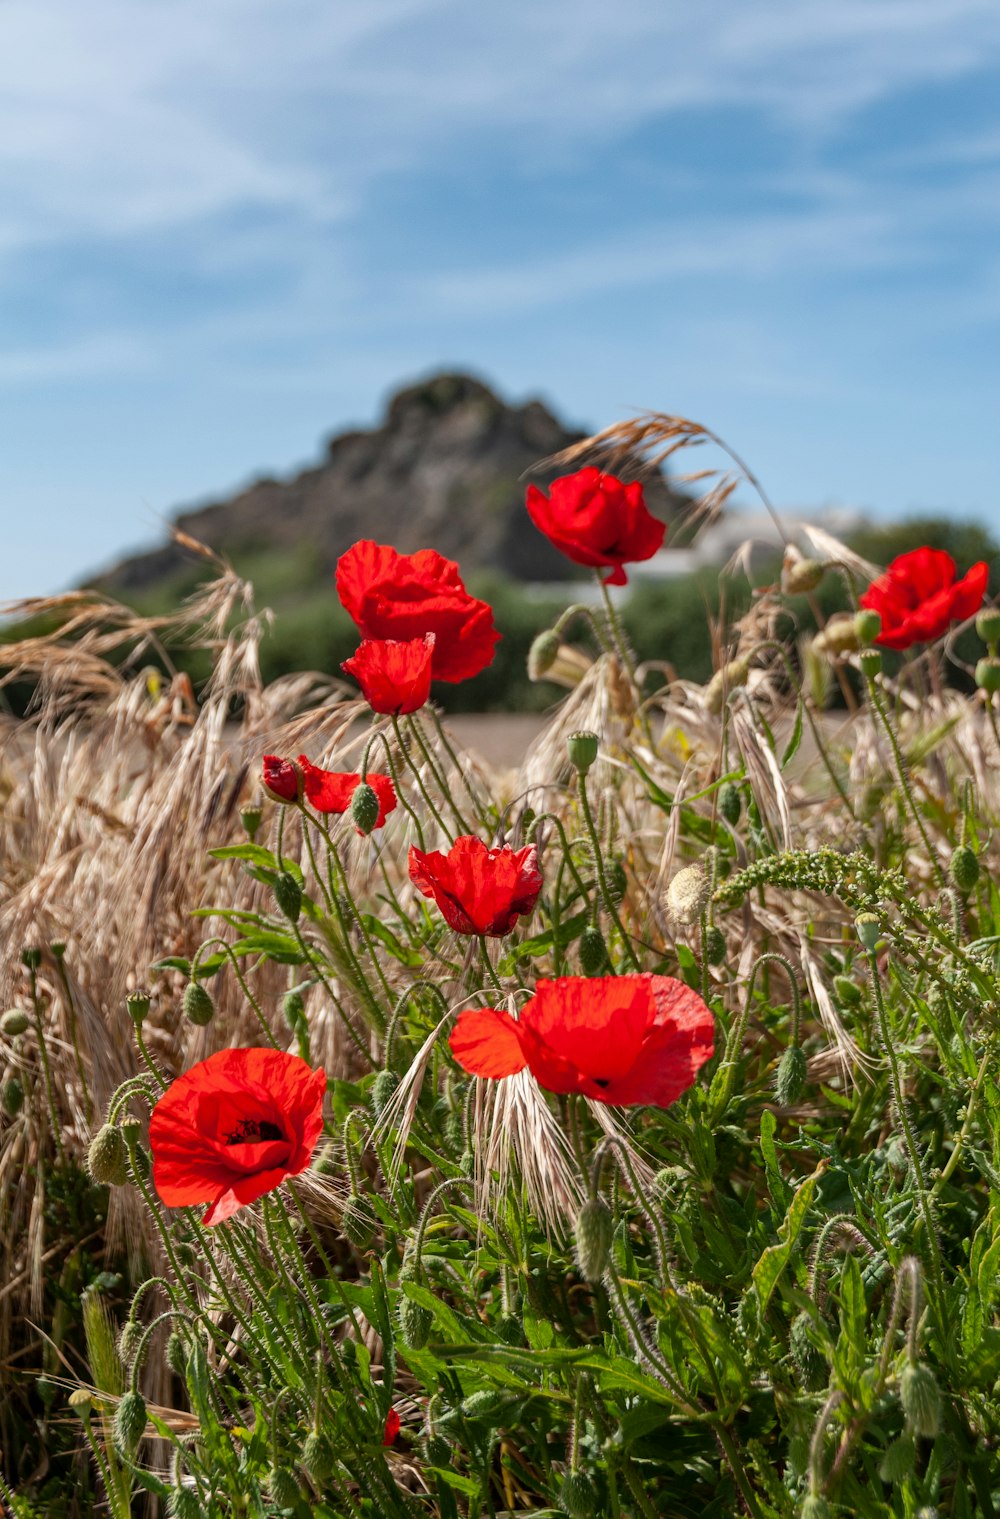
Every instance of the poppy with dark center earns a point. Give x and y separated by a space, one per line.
918 597
233 1127
624 1040
404 596
326 790
597 520
478 889
394 676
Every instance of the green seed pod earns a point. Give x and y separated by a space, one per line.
317 1458
867 626
578 1496
964 869
293 1010
359 1221
899 1460
870 661
81 1402
183 1503
715 946
593 951
251 817
107 1157
15 1021
988 676
484 1404
31 958
129 1423
283 1487
921 1400
617 882
414 1323
288 895
365 807
13 1096
848 992
582 750
868 927
810 1367
791 1075
815 1507
198 1005
137 1006
176 1354
543 653
730 804
988 625
438 1451
383 1089
593 1233
129 1341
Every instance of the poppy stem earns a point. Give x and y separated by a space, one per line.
442 733
414 726
620 643
394 774
88 1106
606 897
491 973
878 705
43 1053
726 1074
408 760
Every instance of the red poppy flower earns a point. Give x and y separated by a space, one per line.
404 596
233 1127
597 520
479 890
918 597
392 1426
626 1040
333 791
281 778
394 676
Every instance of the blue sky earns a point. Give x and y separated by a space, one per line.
230 227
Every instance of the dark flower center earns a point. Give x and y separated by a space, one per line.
602 1081
250 1131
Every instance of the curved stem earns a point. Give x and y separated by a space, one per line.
879 706
606 896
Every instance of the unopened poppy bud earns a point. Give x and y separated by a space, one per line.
815 1507
438 1452
582 750
617 882
81 1402
899 1461
283 1488
293 1010
800 575
543 653
688 894
578 1496
988 676
31 958
867 626
288 895
921 1400
129 1341
281 778
964 869
988 625
840 636
13 1096
871 663
251 817
15 1021
129 1423
184 1503
729 803
809 1363
317 1458
732 675
107 1156
593 1232
414 1323
199 1008
358 1221
868 927
58 950
176 1354
483 1404
593 951
848 992
383 1090
715 946
364 808
137 1006
791 1075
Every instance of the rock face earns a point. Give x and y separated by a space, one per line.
447 469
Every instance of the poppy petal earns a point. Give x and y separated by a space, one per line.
485 1042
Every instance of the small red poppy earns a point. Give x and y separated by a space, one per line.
597 520
918 597
233 1127
392 1427
333 791
394 676
625 1040
404 596
478 889
281 778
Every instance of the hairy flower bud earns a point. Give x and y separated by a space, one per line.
582 749
899 1460
176 1353
364 808
129 1341
848 992
593 1232
414 1323
129 1423
810 1366
593 951
543 653
184 1503
730 803
383 1090
728 678
251 817
13 1096
840 636
317 1458
578 1496
867 626
293 1010
137 1006
358 1221
15 1021
198 1005
483 1404
800 575
288 895
921 1400
815 1507
715 946
791 1075
964 869
868 927
283 1487
688 894
106 1157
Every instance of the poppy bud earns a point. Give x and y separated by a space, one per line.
870 661
543 653
364 808
437 1451
137 1006
251 817
288 895
283 1487
129 1423
483 1404
81 1402
106 1158
988 676
988 625
129 1341
688 894
848 992
899 1460
582 750
815 1507
593 1232
199 1008
735 673
809 1363
31 959
791 1075
383 1090
964 869
593 951
13 1096
867 626
414 1323
293 1010
840 636
869 929
184 1503
921 1400
729 803
358 1221
578 1496
175 1354
800 575
14 1022
715 946
617 882
281 778
317 1458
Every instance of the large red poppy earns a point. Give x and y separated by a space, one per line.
918 597
404 596
233 1127
394 675
626 1040
597 520
478 889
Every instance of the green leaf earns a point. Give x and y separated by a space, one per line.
767 1272
796 737
396 948
778 1187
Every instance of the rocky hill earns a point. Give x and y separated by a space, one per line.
446 468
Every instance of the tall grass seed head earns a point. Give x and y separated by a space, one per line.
543 653
791 1075
364 807
107 1157
288 893
15 1021
964 869
578 1496
129 1423
921 1399
593 1233
199 1008
688 894
582 749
